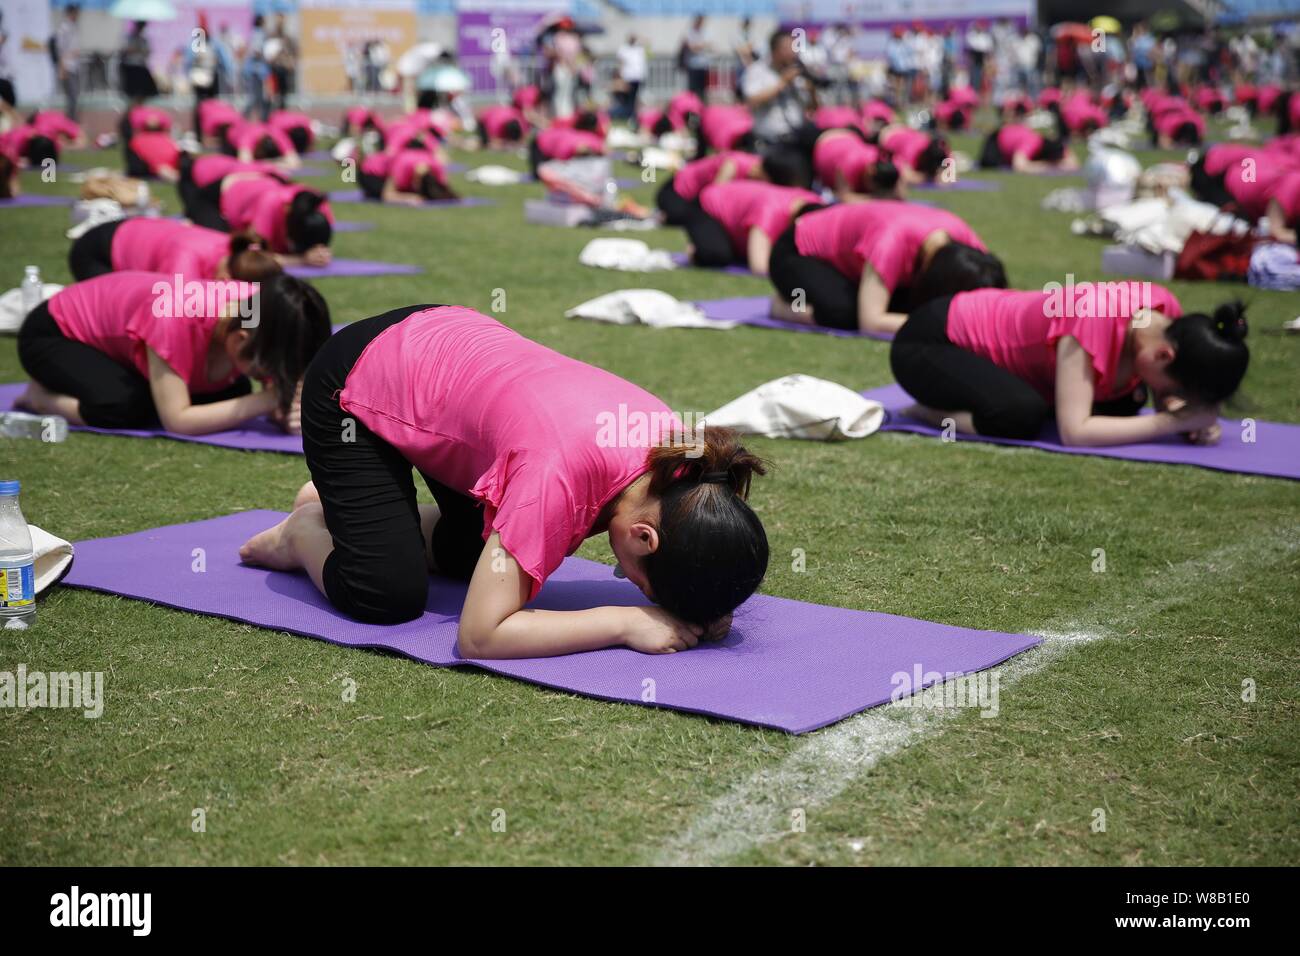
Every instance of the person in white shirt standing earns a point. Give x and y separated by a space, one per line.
631 74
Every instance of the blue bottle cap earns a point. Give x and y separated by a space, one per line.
9 487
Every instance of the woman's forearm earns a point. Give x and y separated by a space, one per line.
533 633
218 416
1099 430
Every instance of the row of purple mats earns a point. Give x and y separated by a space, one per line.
1274 450
786 665
356 195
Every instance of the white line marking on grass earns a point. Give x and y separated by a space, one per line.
757 810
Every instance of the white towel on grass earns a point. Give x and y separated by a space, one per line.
645 307
53 555
493 175
801 406
625 255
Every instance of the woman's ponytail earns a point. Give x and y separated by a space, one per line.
249 259
1210 352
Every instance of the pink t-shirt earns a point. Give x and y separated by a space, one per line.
563 142
285 120
949 112
878 111
965 95
1168 122
681 105
262 205
1285 190
206 170
543 440
885 233
1252 194
1015 138
55 126
843 153
905 145
141 118
156 151
495 118
526 96
215 113
247 136
1078 113
14 143
837 117
123 314
723 126
1019 331
1266 98
694 176
400 168
571 122
742 205
149 244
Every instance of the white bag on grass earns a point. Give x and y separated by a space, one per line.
801 406
53 555
645 307
11 307
625 255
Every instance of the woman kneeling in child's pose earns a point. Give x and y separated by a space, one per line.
997 362
507 435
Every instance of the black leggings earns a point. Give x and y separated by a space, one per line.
832 295
378 571
713 246
672 205
110 395
947 377
202 204
92 252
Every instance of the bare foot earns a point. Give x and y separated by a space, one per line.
28 399
270 548
307 494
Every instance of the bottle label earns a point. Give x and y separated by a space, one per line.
17 587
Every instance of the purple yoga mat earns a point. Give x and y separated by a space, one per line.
353 225
27 200
354 268
356 195
786 665
755 310
261 435
1275 452
961 186
682 260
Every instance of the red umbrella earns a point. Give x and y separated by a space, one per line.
1072 32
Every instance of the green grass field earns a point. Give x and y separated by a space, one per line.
1133 706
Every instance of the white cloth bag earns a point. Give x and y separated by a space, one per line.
801 406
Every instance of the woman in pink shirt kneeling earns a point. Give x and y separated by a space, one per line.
863 266
998 362
736 223
527 453
135 349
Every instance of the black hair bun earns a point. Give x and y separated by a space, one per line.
1230 321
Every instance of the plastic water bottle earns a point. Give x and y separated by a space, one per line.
49 428
32 289
17 573
610 199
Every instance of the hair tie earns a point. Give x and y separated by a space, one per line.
716 478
